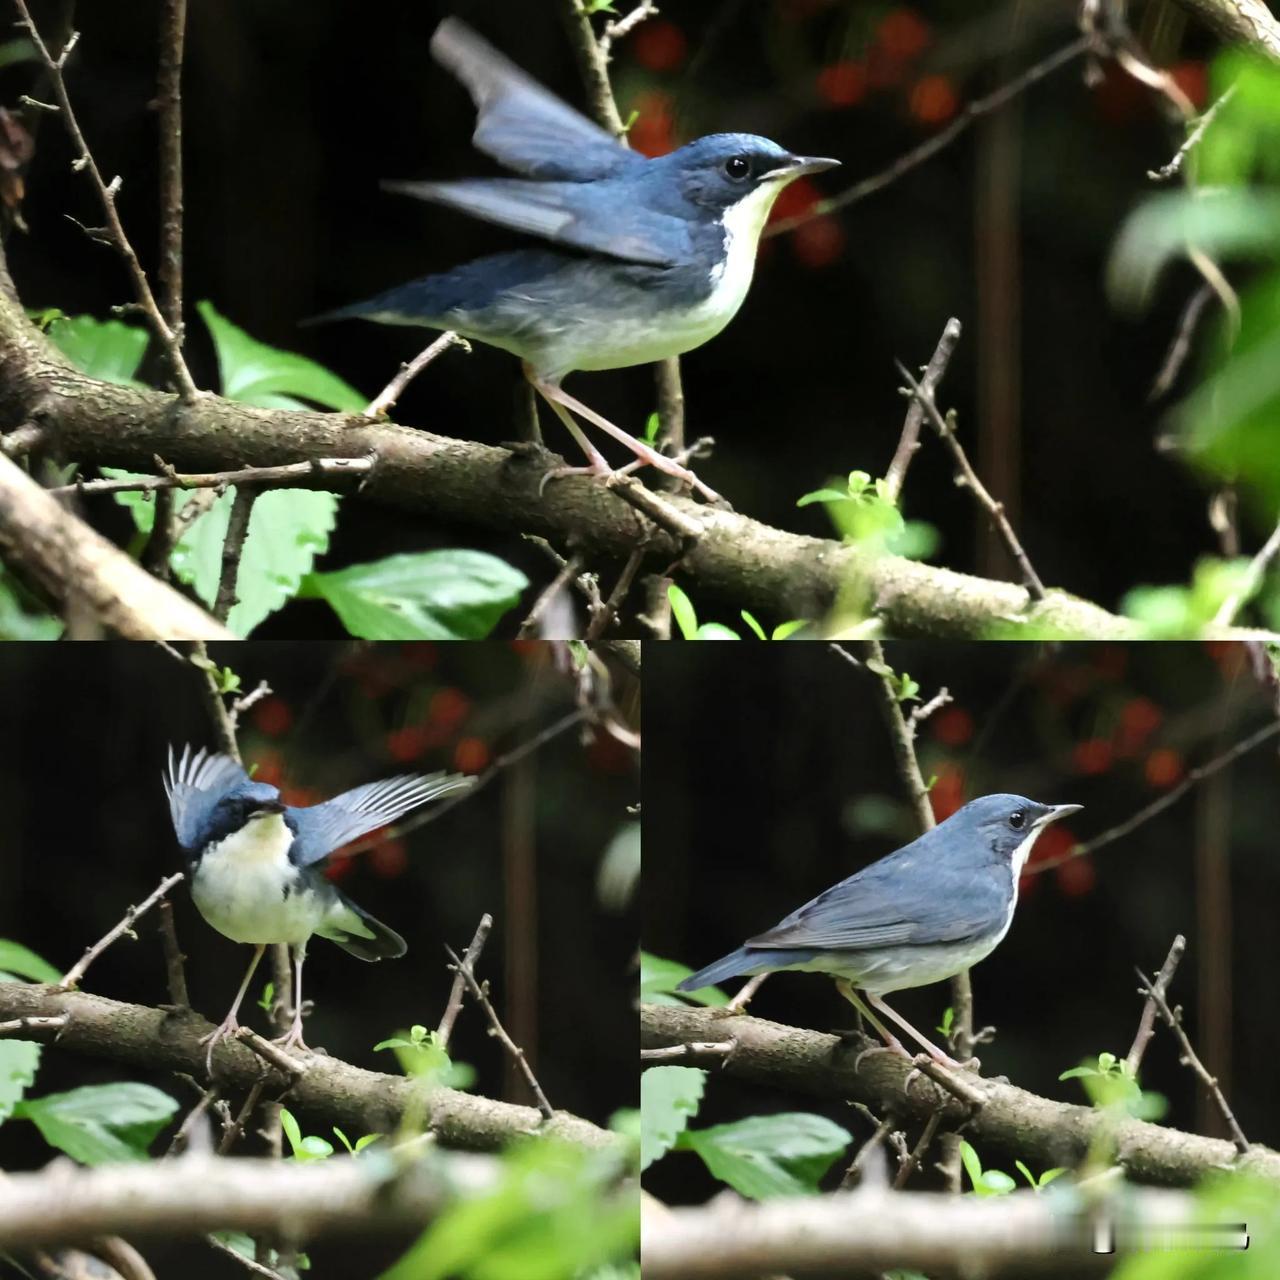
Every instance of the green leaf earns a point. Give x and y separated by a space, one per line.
823 495
682 611
659 979
427 595
669 1099
422 1056
972 1164
104 349
653 424
101 1123
21 618
785 630
15 958
766 1156
756 629
254 373
19 1062
715 631
995 1182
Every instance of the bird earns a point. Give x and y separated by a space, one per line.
919 915
256 864
652 257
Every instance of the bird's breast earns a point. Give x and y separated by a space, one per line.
246 887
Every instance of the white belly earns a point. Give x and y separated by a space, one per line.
240 887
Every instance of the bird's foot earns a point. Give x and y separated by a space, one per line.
229 1026
892 1046
557 472
292 1039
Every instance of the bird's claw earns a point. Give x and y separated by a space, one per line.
228 1026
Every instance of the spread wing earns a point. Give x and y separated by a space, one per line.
595 216
194 784
320 829
519 123
909 897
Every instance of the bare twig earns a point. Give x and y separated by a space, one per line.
181 1139
918 1152
1180 347
115 232
966 476
569 570
458 990
602 618
1147 1023
1172 1018
235 1130
73 975
232 549
931 146
1174 794
1250 582
909 442
1167 171
618 28
271 1053
683 1052
480 995
174 960
921 713
382 402
254 1268
317 473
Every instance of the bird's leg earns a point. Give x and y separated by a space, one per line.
929 1047
846 989
563 404
598 463
292 1039
230 1023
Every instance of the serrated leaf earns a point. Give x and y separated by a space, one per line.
429 595
766 1156
669 1099
100 1124
104 349
255 373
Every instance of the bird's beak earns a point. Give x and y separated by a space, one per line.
268 807
797 166
1059 811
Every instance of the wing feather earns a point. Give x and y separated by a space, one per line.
194 784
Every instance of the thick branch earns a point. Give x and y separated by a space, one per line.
1013 1121
874 1229
356 1100
74 563
1240 21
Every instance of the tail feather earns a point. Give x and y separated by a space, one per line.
736 964
359 934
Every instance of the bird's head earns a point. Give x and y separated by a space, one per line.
1007 824
240 806
737 172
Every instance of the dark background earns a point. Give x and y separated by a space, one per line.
763 777
87 832
297 108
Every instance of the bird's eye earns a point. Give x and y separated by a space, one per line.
1017 819
737 168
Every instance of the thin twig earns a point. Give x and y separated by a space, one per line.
909 442
235 1130
16 1026
1250 581
1167 171
698 1049
618 28
1174 794
931 146
921 713
271 1053
21 441
1172 1018
459 988
602 618
1147 1023
114 231
967 477
593 67
569 570
394 389
1180 347
480 994
853 1175
180 1139
254 1268
306 475
744 995
73 975
918 1152
232 550
174 960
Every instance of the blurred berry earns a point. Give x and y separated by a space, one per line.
843 84
1164 767
1076 877
471 755
903 33
658 45
952 726
934 100
1093 756
272 716
818 242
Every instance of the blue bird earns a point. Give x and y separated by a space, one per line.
256 864
654 256
919 915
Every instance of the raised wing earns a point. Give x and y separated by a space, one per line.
194 784
519 123
909 897
322 828
596 217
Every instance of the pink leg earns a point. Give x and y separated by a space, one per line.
230 1023
846 989
292 1039
929 1047
562 403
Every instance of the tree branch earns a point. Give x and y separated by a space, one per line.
357 1100
1013 1121
1239 21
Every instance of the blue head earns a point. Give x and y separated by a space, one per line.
1003 825
211 796
732 178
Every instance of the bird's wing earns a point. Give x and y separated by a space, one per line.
320 829
519 123
908 897
194 784
569 213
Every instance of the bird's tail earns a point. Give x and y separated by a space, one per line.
416 303
734 965
358 933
